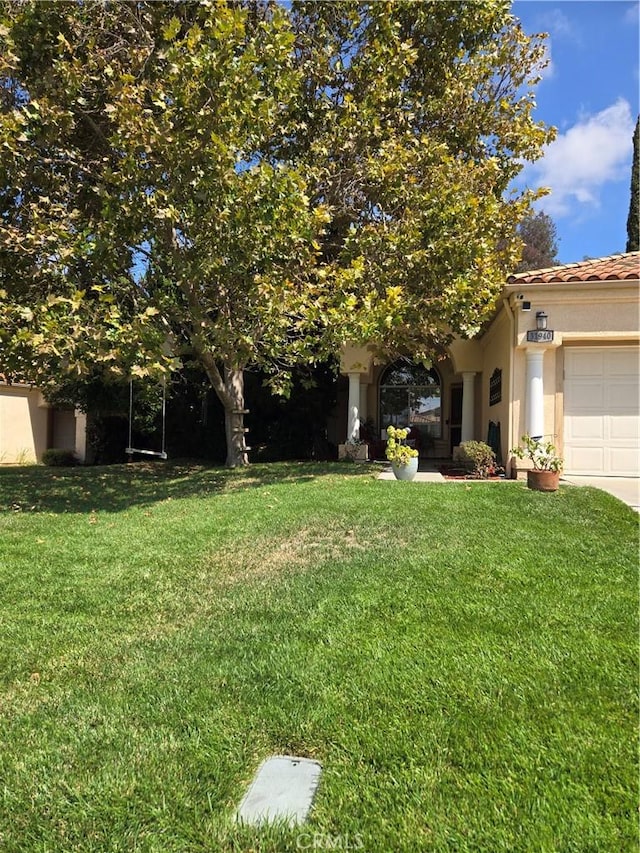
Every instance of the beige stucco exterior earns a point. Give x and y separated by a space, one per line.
599 316
29 426
585 314
24 424
497 355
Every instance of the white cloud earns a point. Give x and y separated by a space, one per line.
557 26
632 14
593 152
556 23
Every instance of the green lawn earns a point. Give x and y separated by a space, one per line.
462 659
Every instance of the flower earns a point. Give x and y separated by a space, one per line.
397 451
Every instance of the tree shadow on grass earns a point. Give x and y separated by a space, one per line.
115 488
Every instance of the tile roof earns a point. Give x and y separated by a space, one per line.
613 268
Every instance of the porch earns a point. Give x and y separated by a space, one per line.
437 402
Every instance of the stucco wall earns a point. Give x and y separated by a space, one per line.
28 426
496 346
64 430
591 310
23 425
580 313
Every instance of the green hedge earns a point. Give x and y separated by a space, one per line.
59 458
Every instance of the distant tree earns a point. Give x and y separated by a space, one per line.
539 235
633 220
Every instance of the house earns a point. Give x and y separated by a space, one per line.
560 359
29 426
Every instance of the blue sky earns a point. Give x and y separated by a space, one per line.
590 92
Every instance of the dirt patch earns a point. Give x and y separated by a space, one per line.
267 557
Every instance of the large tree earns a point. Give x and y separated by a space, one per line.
241 184
633 220
145 218
539 242
426 112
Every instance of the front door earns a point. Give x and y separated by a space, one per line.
411 397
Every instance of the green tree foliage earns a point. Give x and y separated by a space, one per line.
540 242
148 218
238 184
420 117
633 220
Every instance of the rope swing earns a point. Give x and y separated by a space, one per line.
130 450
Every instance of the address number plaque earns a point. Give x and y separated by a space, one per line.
540 336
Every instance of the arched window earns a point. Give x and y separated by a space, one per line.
410 396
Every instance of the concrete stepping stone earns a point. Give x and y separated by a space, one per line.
282 789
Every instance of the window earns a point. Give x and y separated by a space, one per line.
410 396
495 387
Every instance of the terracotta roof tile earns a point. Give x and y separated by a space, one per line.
613 268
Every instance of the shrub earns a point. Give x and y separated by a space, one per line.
57 457
478 458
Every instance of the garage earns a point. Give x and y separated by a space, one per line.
601 411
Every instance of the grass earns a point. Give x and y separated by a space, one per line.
461 659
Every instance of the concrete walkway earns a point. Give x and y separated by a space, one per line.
626 489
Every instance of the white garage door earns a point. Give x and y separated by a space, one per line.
601 411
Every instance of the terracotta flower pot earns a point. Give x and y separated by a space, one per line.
543 481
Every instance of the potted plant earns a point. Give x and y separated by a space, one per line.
353 450
403 458
547 465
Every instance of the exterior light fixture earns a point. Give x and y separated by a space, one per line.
541 334
541 321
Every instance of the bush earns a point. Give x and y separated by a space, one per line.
59 458
478 458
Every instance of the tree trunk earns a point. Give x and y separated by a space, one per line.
234 413
230 391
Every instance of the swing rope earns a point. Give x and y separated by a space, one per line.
130 450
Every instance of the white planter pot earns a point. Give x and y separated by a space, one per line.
405 472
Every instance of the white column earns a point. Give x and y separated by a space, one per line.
535 393
353 419
468 406
81 435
